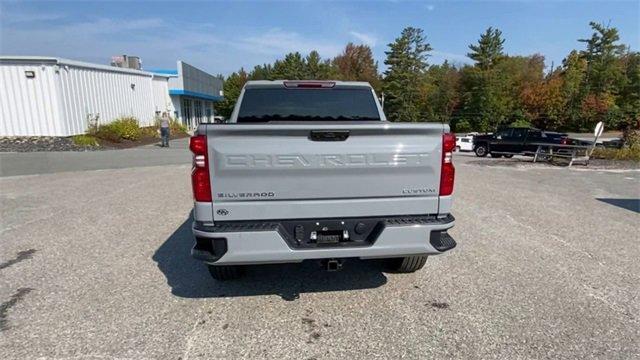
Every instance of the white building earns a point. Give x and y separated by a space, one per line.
46 96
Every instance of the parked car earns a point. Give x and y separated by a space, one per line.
556 136
514 140
312 170
464 142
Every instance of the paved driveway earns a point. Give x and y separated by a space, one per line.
95 265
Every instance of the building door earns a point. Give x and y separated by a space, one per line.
187 113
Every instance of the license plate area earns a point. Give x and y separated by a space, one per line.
330 236
325 233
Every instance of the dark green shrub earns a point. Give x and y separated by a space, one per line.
124 128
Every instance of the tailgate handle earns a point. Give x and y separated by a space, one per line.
329 135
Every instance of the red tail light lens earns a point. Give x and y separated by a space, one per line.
448 142
447 176
200 172
198 145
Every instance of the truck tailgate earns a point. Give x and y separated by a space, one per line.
281 171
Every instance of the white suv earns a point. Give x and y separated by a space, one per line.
464 142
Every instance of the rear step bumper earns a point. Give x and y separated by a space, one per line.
259 243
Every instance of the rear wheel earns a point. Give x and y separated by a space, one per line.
508 156
225 272
408 264
481 150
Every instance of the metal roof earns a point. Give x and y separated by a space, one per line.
36 60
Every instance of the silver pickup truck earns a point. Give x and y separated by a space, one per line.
312 170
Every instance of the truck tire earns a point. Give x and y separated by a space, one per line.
481 150
408 264
225 272
508 156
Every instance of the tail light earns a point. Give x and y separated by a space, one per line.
447 176
200 172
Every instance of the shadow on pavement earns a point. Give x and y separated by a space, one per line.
628 204
190 278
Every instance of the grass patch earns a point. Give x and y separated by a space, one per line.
624 153
85 140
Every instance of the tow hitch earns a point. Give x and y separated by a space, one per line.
332 264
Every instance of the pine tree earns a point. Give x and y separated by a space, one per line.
489 49
407 62
261 72
316 68
231 89
293 67
604 71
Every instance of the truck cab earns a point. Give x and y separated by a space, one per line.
512 140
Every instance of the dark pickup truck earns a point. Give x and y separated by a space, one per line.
514 140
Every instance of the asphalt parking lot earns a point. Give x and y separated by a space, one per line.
95 265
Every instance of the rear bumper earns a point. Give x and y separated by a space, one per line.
262 243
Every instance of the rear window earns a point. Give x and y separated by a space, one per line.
281 104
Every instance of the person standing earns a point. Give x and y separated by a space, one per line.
164 130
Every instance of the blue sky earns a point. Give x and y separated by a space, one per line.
221 37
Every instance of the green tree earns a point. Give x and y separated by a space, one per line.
316 68
231 90
441 92
292 67
488 50
261 72
406 64
573 73
629 99
604 71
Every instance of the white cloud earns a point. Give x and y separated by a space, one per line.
366 39
159 42
441 56
28 17
278 42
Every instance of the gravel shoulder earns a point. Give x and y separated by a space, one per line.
25 144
